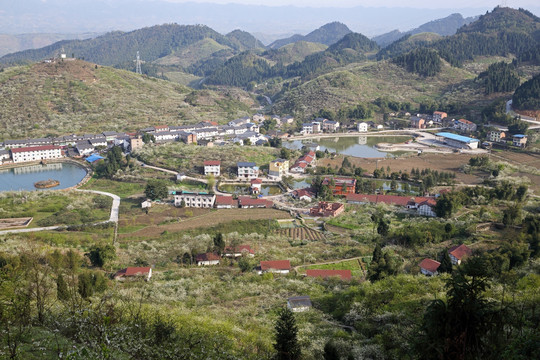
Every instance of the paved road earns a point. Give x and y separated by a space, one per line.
115 210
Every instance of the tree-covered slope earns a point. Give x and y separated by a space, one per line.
78 97
119 47
327 34
296 51
527 96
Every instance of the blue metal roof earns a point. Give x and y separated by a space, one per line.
93 158
520 136
457 137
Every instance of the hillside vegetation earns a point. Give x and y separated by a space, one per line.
327 34
77 97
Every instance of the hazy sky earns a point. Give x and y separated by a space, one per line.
433 4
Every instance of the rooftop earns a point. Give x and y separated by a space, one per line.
430 265
457 137
276 265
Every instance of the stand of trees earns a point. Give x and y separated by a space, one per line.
421 61
527 96
499 77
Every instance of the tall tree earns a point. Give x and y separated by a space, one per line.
446 263
286 335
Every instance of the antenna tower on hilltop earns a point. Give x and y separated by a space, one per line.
138 66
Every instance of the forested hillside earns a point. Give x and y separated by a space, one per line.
327 34
499 77
420 61
527 96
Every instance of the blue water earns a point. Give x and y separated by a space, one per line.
23 178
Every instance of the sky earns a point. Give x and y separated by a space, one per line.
430 4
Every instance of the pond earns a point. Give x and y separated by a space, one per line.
358 146
244 189
24 177
301 183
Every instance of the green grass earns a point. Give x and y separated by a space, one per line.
353 265
122 189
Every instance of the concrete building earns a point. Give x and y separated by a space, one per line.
362 127
497 136
212 167
458 141
247 170
519 140
299 303
197 200
278 168
36 153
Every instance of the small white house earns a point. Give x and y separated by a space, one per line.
146 204
275 266
429 267
207 259
362 127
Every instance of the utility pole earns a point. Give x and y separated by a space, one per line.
138 65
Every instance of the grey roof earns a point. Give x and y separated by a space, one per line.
246 164
299 301
84 145
4 152
97 140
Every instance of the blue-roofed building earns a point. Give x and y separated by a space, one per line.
519 140
93 158
459 141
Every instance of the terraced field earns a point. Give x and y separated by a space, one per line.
301 233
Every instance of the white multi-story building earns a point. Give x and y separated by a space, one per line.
496 136
212 167
247 170
362 127
197 200
36 153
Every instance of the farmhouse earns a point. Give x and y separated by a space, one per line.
458 141
465 125
438 116
212 167
247 170
197 200
36 153
134 272
458 253
418 122
136 143
207 259
256 185
84 148
237 251
299 303
303 194
519 140
427 208
429 267
275 266
330 126
497 136
323 273
245 202
327 209
225 202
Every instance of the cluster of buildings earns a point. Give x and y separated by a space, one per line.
502 137
320 125
208 201
456 253
305 161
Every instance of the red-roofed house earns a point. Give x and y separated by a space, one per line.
458 253
247 202
161 128
342 274
464 125
212 167
207 259
427 208
429 267
134 272
341 186
275 266
303 194
36 153
237 251
224 202
327 209
256 185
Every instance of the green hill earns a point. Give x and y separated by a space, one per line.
79 97
243 40
291 53
327 34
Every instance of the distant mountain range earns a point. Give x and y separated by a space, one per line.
446 26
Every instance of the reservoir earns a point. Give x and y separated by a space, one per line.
358 146
24 177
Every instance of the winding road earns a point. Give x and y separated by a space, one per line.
115 210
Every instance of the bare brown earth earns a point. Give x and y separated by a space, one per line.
202 218
440 162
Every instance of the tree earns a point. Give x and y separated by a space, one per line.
62 292
219 243
512 215
383 227
211 181
100 255
330 351
156 189
446 263
286 333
